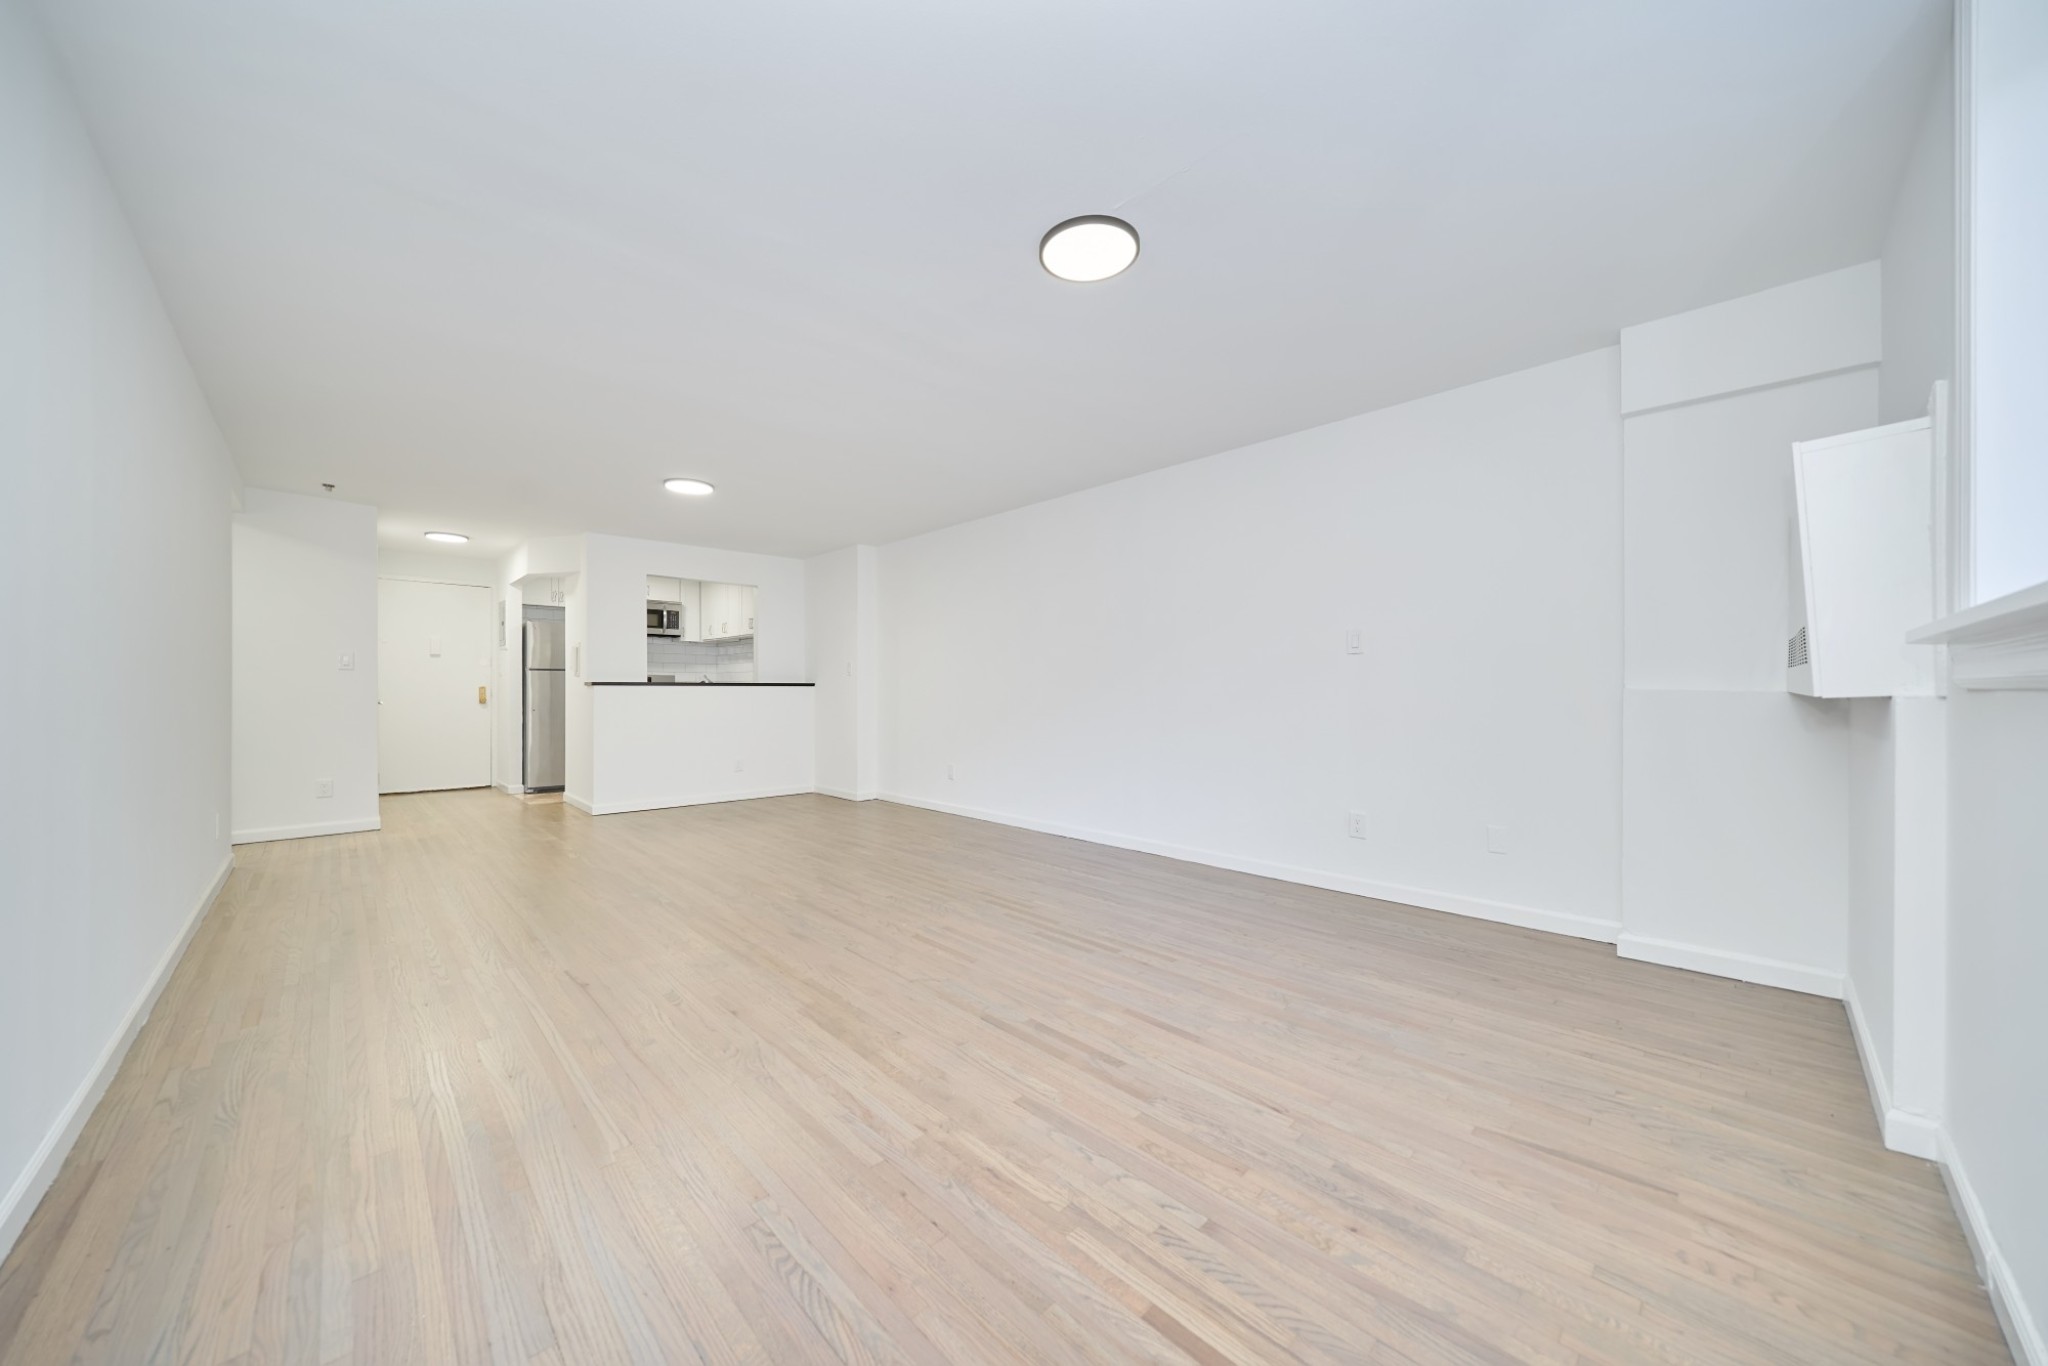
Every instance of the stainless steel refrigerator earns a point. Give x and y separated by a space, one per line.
546 700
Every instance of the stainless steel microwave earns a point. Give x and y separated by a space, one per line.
664 619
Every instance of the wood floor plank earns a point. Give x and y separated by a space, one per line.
807 1080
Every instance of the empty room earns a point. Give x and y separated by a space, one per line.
1323 681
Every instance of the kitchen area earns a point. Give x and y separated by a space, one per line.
698 632
649 674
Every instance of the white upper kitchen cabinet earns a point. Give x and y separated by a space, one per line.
1865 574
690 594
717 611
728 611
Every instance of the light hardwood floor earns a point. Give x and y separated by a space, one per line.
802 1080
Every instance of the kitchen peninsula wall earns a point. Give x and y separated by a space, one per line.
635 747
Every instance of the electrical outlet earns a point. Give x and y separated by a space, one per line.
323 787
949 773
348 659
1356 828
739 765
1496 839
1354 641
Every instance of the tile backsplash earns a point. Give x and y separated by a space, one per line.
691 661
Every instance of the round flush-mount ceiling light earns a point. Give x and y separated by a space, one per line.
1089 248
689 488
448 537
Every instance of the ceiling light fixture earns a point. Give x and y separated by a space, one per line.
448 537
689 488
1090 248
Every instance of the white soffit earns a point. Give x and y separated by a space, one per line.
1812 327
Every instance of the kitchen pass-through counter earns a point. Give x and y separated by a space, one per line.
686 743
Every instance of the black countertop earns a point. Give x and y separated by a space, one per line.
650 683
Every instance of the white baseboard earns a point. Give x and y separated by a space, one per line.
35 1179
1866 1052
690 799
299 832
1501 912
580 803
1912 1134
515 789
846 796
2015 1316
1743 967
1904 1131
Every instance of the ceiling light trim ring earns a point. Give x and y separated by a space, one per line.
1084 220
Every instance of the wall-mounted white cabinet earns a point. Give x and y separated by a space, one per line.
543 592
728 611
711 611
1864 576
690 594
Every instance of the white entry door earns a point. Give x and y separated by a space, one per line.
433 665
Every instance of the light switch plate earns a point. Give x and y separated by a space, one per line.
1496 839
348 659
1354 641
434 646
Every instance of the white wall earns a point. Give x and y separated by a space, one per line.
305 595
578 709
1997 1114
1735 806
2008 216
1920 263
1161 662
682 746
422 566
508 759
1896 983
113 834
840 607
1872 849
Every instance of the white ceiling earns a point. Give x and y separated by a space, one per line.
503 267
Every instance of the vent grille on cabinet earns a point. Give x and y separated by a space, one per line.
1795 649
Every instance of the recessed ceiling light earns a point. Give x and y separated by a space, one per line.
1090 248
689 488
451 537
